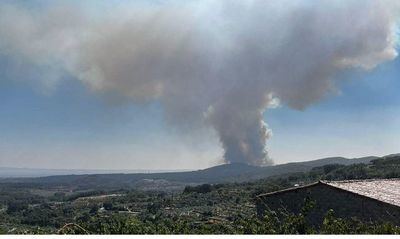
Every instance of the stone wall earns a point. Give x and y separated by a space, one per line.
344 204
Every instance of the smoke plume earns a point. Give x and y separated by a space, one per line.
218 64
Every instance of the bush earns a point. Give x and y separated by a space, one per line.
204 188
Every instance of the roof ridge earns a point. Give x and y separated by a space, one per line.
289 189
359 180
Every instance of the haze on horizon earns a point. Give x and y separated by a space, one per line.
115 85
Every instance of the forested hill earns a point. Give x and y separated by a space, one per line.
218 174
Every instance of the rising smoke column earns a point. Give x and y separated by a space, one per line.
210 63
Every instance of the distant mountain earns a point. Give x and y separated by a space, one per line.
10 172
219 174
391 155
338 160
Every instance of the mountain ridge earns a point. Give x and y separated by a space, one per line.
226 173
16 172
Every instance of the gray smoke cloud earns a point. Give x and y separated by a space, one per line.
218 64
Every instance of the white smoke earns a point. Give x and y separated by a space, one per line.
210 63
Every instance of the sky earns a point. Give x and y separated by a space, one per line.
72 127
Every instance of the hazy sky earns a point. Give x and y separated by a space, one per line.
70 126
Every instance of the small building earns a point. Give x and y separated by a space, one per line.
375 200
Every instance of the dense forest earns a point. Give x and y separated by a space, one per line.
220 208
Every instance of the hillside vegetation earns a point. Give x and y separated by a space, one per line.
197 208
